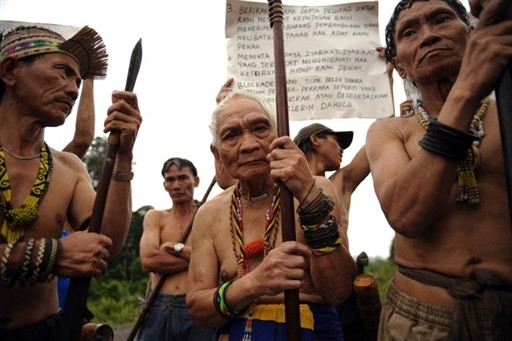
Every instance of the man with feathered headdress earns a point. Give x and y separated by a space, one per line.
41 188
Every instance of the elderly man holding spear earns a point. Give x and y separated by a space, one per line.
241 266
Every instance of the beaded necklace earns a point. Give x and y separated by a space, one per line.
16 219
258 247
468 189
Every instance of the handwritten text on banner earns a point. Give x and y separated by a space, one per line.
332 66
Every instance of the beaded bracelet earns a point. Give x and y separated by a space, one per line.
219 302
52 265
323 238
25 267
122 176
39 260
28 270
446 141
4 278
327 249
47 264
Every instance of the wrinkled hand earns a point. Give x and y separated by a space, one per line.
284 268
491 10
83 254
225 90
289 165
123 116
488 51
406 107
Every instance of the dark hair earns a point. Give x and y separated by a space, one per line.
307 145
28 60
180 163
456 5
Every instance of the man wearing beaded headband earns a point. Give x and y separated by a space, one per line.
40 74
440 179
236 236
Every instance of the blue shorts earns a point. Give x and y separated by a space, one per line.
168 319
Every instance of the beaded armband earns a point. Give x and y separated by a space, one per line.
447 141
26 269
219 301
122 176
322 238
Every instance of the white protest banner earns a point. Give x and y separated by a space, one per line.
64 30
332 67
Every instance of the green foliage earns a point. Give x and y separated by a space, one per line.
382 270
115 302
95 157
114 298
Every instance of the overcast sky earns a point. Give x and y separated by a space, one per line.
184 64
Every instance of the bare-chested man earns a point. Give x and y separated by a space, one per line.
323 148
163 252
439 176
42 188
237 241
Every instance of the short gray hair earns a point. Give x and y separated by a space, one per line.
265 105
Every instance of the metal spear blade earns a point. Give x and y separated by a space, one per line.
134 68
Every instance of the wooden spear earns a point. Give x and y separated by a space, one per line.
291 297
161 280
75 308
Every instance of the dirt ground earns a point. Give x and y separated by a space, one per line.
121 333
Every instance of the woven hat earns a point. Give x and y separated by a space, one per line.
86 47
344 137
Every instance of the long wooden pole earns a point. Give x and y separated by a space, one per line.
163 277
292 312
75 307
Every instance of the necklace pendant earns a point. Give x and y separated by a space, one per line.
476 156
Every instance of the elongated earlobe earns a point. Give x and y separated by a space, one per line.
398 67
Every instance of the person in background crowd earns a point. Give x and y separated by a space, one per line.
323 148
440 178
162 251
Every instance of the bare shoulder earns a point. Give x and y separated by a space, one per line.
327 186
66 157
208 215
323 182
386 124
218 201
153 214
69 161
401 129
